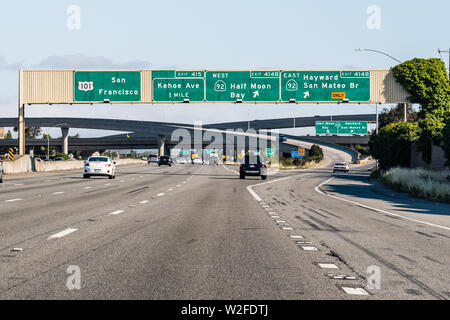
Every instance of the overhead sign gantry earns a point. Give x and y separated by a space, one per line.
204 86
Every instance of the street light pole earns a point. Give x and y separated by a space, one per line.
381 52
446 51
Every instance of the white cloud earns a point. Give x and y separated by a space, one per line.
8 66
81 61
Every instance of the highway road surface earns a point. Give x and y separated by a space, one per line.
199 232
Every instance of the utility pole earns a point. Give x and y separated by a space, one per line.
446 51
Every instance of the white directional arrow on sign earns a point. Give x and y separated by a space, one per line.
255 94
306 94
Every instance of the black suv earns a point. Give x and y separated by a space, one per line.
165 160
253 165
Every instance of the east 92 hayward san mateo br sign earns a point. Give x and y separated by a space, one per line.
98 86
324 86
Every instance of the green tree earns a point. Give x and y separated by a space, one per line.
316 151
392 145
446 140
427 82
396 114
31 132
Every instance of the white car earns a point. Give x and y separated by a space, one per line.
340 166
99 166
197 161
1 172
182 161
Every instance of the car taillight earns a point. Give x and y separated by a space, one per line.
263 165
108 165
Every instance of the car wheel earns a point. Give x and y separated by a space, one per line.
334 171
242 176
263 177
86 176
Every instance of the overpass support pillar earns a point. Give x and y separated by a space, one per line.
162 145
65 138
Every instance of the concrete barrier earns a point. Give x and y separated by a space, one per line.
46 166
21 164
24 164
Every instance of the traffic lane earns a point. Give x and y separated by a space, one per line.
40 215
208 241
412 260
42 250
373 194
45 180
331 155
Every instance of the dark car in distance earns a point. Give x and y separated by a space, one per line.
165 160
253 165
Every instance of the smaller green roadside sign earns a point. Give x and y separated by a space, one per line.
270 152
178 85
341 127
100 86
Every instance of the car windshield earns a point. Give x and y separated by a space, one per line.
98 159
253 159
340 164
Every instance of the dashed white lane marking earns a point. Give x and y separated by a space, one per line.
375 209
160 194
178 185
87 188
144 202
287 228
275 217
13 200
18 184
296 237
328 266
310 248
107 184
280 221
62 233
59 192
355 291
184 181
115 212
170 189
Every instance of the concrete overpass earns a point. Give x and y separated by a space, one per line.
150 134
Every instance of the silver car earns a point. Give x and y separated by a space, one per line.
340 166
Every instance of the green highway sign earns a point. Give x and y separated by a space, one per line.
322 86
177 86
230 86
341 127
270 152
98 86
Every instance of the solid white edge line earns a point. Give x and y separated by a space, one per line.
13 200
255 195
160 194
62 233
379 210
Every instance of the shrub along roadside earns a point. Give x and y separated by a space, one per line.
421 183
392 145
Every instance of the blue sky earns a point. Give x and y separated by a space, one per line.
211 34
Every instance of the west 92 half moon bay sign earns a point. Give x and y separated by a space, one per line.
248 86
324 86
100 86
